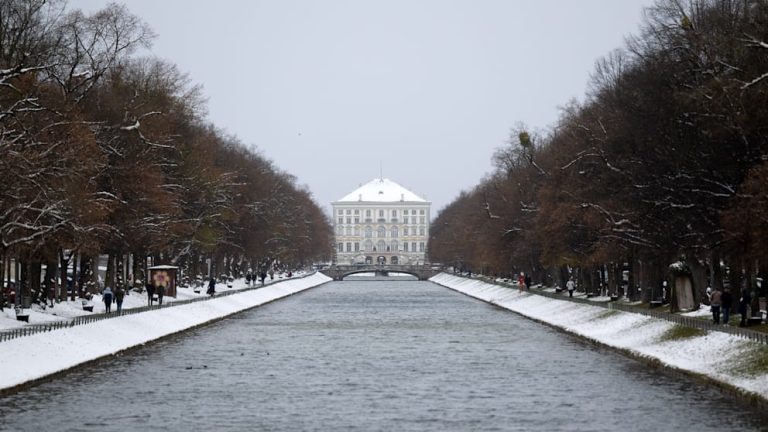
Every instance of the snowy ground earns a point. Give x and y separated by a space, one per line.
719 356
69 309
31 357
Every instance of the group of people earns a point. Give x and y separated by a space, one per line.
722 301
261 276
108 296
117 296
523 282
152 290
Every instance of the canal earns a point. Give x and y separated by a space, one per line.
374 356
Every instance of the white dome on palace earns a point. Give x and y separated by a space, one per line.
381 190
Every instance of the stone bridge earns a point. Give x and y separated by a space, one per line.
339 272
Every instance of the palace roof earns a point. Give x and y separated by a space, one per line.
381 190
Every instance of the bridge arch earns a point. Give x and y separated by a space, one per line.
339 272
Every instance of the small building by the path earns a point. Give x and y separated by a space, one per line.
164 275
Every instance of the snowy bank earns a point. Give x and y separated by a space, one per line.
34 357
722 358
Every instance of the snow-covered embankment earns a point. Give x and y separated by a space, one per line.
34 357
717 356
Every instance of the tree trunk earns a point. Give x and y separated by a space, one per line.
50 283
109 277
631 281
699 279
138 269
75 277
645 278
63 264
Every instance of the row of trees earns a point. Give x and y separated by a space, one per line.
666 161
104 152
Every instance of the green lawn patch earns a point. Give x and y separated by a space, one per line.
752 363
679 332
607 314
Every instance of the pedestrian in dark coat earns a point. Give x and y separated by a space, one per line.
715 301
527 281
211 287
248 278
160 294
726 303
150 293
744 302
119 296
106 296
262 276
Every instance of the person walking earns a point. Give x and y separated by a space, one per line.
726 303
248 278
715 301
106 297
271 275
150 293
211 287
744 302
570 286
521 282
160 294
262 276
119 296
527 281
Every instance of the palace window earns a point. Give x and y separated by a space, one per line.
405 247
357 247
405 231
393 232
422 231
421 247
368 232
349 247
341 247
382 232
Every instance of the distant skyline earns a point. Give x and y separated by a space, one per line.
426 90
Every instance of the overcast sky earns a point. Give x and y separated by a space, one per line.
332 90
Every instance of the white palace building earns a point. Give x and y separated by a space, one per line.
381 222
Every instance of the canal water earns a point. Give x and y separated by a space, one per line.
374 356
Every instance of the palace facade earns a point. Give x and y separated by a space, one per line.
381 222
